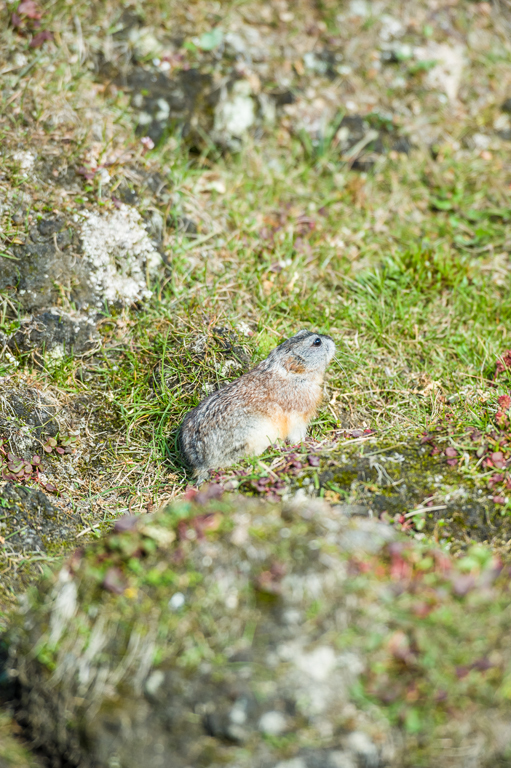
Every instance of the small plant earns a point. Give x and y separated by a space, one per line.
66 444
15 469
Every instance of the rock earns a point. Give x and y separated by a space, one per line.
48 264
235 114
186 101
278 638
120 254
197 107
359 143
97 258
381 482
56 334
30 521
449 61
27 418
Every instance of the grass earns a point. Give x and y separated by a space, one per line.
406 266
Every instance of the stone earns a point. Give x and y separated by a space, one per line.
56 334
273 723
186 101
30 521
135 681
27 418
96 258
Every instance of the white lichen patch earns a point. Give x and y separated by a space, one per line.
121 253
25 160
234 114
446 74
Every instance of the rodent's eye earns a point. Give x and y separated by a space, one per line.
316 342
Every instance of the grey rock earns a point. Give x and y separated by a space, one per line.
217 708
57 333
27 417
95 259
30 521
48 265
186 101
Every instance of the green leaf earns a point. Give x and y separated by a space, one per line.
210 40
441 205
412 721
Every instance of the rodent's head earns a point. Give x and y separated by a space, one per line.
305 353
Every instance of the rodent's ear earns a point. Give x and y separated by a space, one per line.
302 332
293 365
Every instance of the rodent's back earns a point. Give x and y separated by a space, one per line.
217 427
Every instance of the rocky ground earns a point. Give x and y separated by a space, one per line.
181 187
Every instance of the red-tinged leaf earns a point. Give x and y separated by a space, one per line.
114 581
313 460
87 173
126 523
51 441
50 488
16 20
452 462
421 609
494 480
47 448
36 459
436 450
29 9
11 457
211 491
451 452
482 664
462 584
60 451
505 402
499 500
498 459
40 38
504 362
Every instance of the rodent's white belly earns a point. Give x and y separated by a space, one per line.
292 427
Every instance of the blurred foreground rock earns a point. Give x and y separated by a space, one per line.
272 636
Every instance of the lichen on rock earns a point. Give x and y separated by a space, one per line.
121 254
237 633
